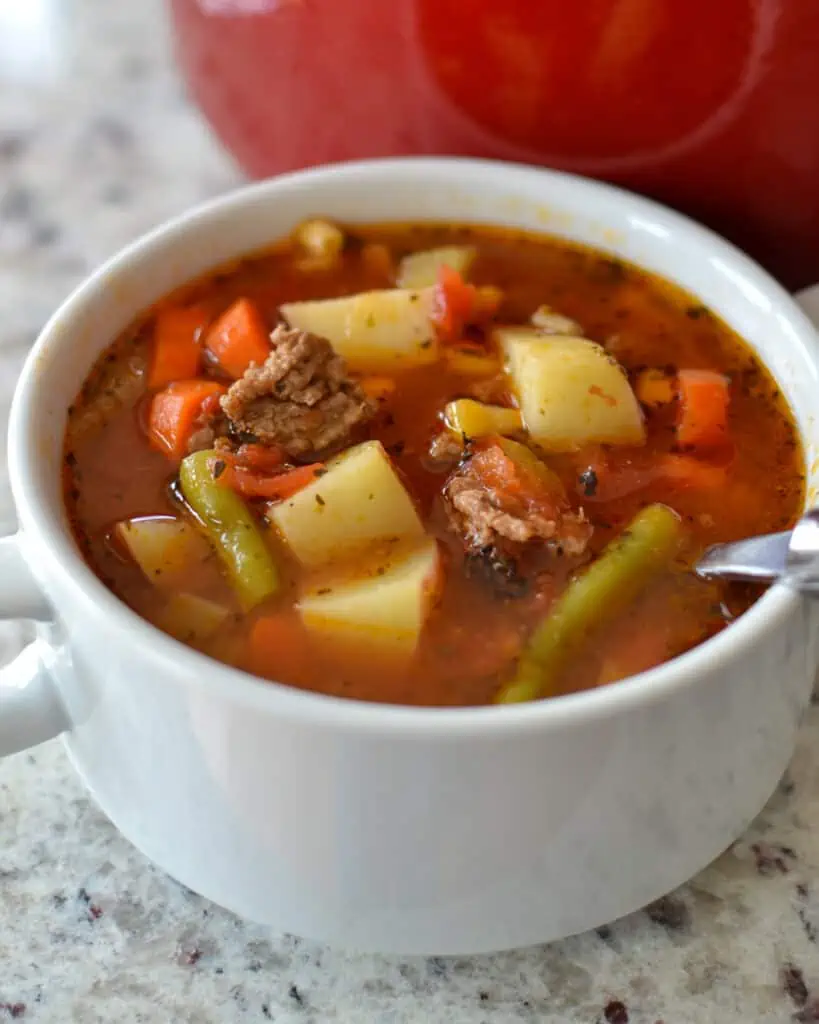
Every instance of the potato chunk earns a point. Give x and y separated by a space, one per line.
386 605
190 618
374 331
571 392
165 548
357 502
420 269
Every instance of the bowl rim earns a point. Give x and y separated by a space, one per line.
45 539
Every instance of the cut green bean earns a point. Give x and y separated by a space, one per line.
231 528
606 588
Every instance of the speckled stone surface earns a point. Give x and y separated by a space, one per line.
97 144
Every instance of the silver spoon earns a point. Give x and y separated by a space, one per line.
791 557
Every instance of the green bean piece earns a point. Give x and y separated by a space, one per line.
606 588
231 528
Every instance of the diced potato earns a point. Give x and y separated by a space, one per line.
357 502
320 239
190 618
504 336
572 393
466 417
550 322
374 331
470 362
164 548
420 269
386 607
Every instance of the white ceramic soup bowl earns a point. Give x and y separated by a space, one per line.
387 828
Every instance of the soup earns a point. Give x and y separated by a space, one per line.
428 464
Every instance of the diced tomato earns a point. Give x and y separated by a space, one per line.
455 302
262 458
252 484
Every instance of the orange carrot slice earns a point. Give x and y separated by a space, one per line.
174 411
238 338
278 647
176 353
703 409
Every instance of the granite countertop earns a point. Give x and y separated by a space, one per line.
97 144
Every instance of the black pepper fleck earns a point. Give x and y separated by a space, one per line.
588 481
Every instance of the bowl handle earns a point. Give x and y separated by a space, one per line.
30 709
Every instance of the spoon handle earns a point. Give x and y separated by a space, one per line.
762 559
791 557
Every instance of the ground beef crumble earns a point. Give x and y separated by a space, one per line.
300 398
209 427
445 451
487 519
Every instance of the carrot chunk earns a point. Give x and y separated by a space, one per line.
238 338
174 412
703 419
176 353
278 647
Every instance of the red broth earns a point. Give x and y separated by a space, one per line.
474 635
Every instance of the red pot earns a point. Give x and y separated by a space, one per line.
711 106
